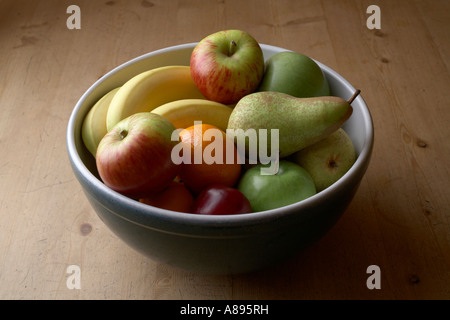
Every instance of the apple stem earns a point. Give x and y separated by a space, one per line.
353 97
123 133
232 48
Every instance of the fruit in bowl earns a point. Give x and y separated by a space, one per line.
205 152
327 160
175 197
227 65
218 199
290 184
208 243
295 74
134 158
300 122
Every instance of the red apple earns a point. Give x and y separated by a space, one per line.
221 200
134 158
227 65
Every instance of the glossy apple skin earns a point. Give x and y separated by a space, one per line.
295 74
134 158
226 75
289 185
221 200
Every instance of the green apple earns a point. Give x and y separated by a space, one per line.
327 160
290 184
295 74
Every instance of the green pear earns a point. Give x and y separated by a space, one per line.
298 122
327 160
295 74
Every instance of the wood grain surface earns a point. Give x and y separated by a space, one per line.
399 219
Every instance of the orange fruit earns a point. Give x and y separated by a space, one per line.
214 167
175 197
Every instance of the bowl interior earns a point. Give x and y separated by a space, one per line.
358 126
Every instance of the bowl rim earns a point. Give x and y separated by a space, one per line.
139 213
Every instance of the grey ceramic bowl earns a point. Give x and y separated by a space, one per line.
216 244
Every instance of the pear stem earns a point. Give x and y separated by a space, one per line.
353 97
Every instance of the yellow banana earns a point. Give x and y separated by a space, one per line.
150 89
183 113
94 124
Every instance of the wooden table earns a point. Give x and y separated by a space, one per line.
398 221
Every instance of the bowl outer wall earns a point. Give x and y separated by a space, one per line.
313 216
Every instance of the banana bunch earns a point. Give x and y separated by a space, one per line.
148 90
168 91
